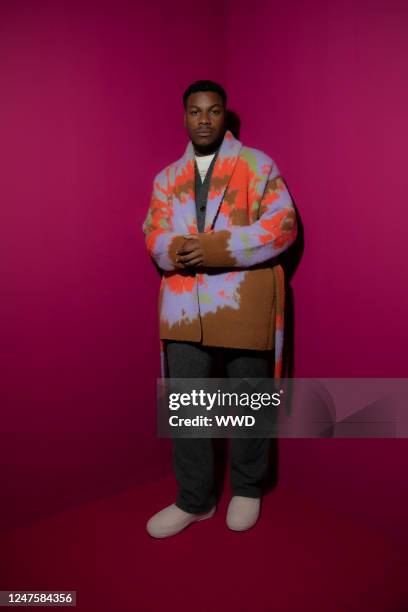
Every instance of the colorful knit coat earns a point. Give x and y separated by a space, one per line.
236 299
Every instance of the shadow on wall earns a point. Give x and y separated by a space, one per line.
233 123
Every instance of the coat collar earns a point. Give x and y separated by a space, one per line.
184 189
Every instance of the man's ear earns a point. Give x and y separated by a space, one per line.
185 119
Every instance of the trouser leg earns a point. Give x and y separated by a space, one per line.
193 458
249 456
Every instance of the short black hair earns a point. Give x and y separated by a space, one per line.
205 86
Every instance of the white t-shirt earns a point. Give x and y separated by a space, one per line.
203 163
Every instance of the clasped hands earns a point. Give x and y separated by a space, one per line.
190 254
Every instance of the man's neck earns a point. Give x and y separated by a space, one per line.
204 154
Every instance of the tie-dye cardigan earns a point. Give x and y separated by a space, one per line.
237 298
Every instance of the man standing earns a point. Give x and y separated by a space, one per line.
219 218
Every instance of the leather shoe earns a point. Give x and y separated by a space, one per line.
172 520
243 512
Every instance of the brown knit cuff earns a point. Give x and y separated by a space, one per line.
215 247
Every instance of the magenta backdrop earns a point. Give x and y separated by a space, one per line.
321 86
92 111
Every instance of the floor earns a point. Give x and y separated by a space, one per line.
299 557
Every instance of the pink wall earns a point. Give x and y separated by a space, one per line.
325 94
90 110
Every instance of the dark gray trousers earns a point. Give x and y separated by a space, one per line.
193 458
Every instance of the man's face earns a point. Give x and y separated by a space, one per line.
204 118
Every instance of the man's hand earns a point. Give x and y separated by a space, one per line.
190 254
